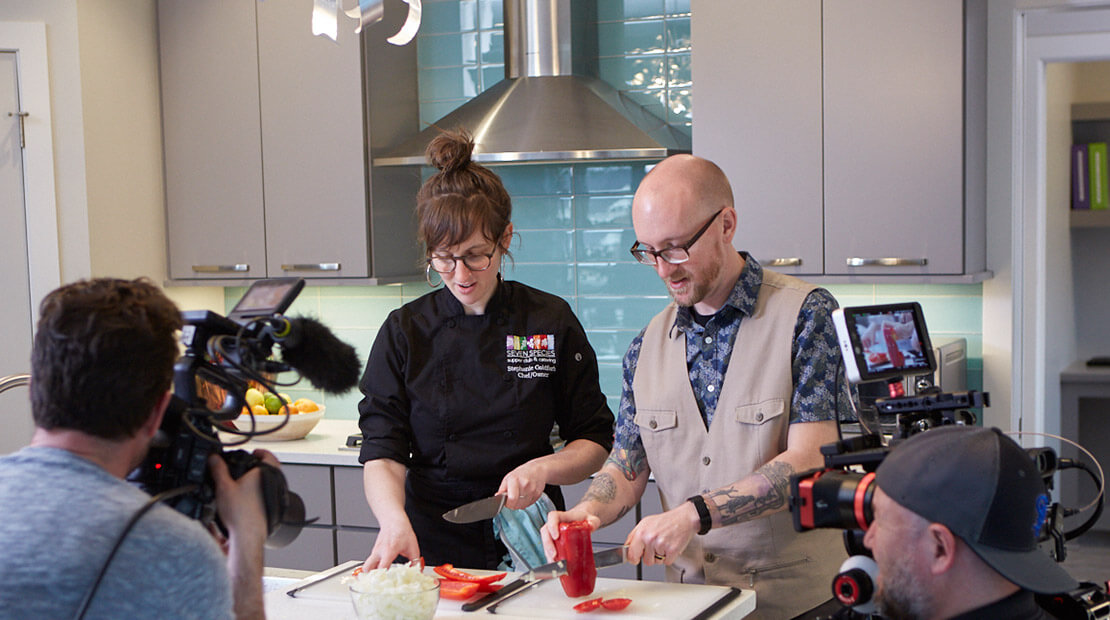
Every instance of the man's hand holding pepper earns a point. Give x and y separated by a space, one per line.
550 530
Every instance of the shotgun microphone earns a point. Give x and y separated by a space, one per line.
314 351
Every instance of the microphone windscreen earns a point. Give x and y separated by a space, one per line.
326 361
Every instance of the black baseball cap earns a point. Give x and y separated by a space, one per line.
987 490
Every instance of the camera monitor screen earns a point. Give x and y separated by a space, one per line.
266 298
884 342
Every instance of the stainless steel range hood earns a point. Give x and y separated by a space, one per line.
542 111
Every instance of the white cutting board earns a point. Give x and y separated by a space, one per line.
651 600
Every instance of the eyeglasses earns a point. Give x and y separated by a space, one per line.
673 255
473 262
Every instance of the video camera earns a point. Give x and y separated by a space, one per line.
229 353
888 343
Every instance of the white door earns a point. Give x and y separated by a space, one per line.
15 311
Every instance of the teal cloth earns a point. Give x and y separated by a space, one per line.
520 531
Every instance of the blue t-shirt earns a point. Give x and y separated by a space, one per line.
61 515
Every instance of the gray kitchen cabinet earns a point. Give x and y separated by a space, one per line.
350 499
313 549
851 132
212 139
267 137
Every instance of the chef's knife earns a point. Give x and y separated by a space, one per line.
611 557
608 557
546 571
476 511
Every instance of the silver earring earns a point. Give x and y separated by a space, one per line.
428 276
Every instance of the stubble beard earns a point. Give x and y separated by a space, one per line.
901 595
696 289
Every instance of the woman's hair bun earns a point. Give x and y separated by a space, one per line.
450 150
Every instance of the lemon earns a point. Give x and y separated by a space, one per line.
259 410
254 397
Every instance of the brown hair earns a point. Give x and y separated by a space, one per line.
463 197
103 356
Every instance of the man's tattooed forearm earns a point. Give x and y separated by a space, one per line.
631 463
603 490
778 474
735 507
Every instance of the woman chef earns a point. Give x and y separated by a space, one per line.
464 385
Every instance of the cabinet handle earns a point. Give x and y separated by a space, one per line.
311 267
221 268
886 262
783 262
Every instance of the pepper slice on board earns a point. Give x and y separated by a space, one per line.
587 606
457 590
448 571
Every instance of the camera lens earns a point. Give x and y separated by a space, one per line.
837 499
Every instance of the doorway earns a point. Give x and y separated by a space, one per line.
1058 50
15 312
28 215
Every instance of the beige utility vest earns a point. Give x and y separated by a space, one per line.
791 572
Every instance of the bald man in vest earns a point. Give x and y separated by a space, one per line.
728 391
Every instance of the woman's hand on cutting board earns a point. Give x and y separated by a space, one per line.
392 541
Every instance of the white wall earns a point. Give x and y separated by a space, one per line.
123 137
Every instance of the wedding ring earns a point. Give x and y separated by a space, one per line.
660 557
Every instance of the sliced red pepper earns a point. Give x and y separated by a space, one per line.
457 590
589 605
616 604
489 587
447 571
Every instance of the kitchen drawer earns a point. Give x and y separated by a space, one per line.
354 543
313 484
313 549
350 499
615 533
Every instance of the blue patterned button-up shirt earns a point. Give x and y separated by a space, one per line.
820 387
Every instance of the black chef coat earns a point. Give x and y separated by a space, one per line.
462 400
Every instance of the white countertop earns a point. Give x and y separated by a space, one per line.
650 601
325 445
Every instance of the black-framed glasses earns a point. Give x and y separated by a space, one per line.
473 262
673 255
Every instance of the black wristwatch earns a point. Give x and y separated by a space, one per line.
703 514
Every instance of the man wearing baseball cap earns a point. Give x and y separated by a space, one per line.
956 518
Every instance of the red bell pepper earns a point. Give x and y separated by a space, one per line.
448 571
616 604
588 606
457 590
574 546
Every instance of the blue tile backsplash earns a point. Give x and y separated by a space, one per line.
573 222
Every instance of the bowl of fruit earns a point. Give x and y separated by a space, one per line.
266 413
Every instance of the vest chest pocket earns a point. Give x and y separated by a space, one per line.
761 413
655 420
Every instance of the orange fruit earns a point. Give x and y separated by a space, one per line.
306 405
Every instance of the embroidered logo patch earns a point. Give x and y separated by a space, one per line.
532 356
